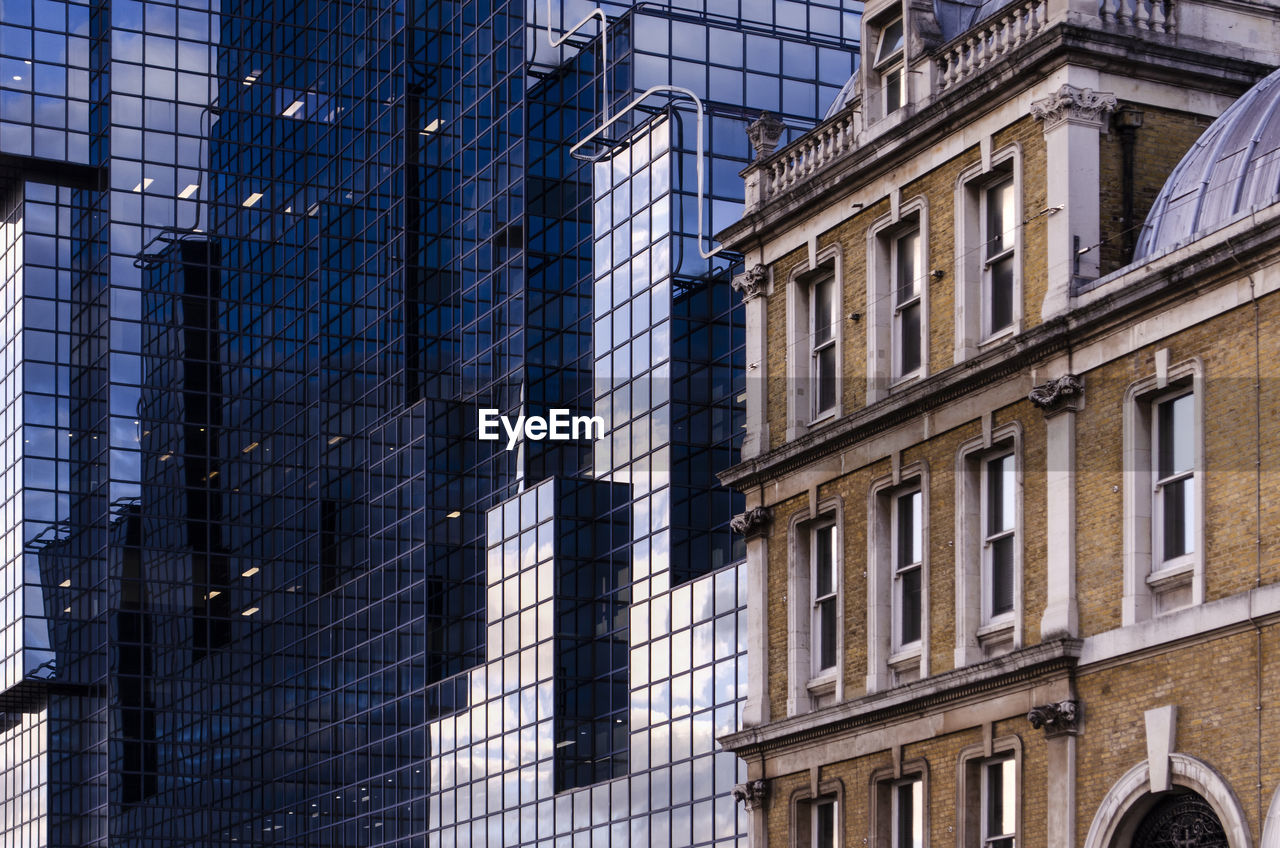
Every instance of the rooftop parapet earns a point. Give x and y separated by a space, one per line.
1179 33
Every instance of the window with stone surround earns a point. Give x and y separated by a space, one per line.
990 814
989 545
899 809
815 592
888 66
1164 482
898 326
897 593
814 304
816 820
988 252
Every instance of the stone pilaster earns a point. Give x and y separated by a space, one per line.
754 524
1073 120
754 284
1060 399
752 795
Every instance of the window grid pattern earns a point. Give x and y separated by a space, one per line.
281 522
44 80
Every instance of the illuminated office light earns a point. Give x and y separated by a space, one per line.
143 186
250 572
252 199
293 108
189 190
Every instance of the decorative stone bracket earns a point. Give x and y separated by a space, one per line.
752 283
1059 394
751 794
1056 718
753 522
1077 105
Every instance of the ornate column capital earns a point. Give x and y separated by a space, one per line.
1059 394
1056 718
753 522
752 283
751 794
1074 105
764 134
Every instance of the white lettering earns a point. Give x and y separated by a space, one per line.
513 433
558 426
592 426
489 425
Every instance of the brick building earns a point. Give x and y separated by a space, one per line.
1010 453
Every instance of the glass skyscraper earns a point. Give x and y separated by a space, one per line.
263 266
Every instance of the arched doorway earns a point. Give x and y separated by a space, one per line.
1198 811
1180 819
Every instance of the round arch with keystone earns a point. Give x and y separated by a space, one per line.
1115 818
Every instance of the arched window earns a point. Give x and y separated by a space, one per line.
1180 820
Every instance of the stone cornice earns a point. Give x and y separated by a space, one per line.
1015 670
1199 266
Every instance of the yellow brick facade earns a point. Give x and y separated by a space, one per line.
1213 659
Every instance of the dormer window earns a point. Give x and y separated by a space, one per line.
889 65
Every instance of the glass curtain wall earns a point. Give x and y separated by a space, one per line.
264 262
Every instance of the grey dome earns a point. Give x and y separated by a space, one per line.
958 16
1233 168
847 93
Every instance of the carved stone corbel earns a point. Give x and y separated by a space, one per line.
1077 105
753 522
1056 718
752 283
751 794
1059 394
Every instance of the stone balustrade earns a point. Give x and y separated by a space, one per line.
991 40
